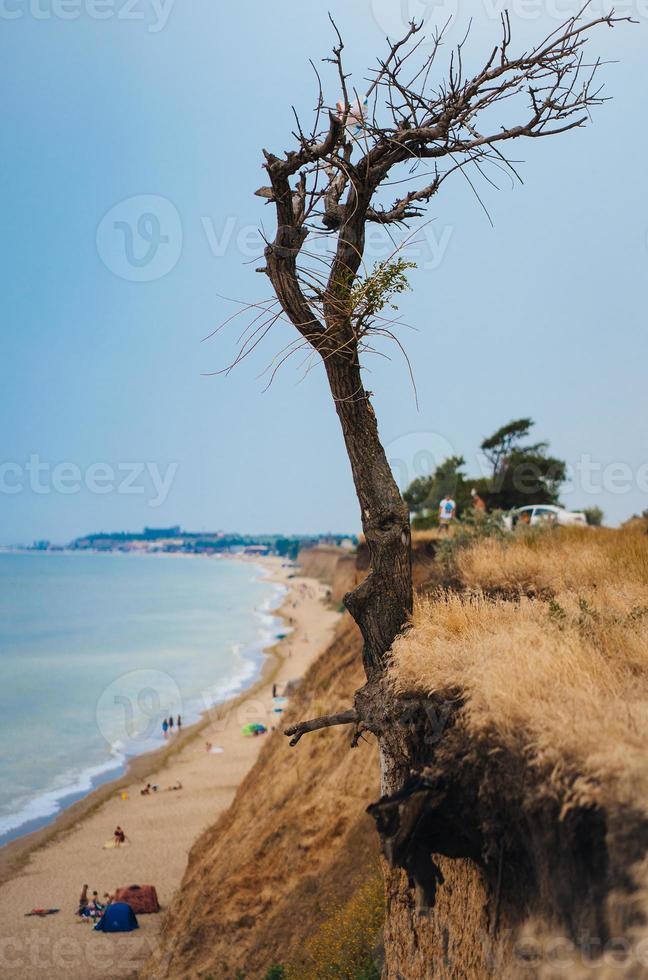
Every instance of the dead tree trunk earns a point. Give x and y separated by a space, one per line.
383 601
331 185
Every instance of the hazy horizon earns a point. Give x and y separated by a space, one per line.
183 530
132 150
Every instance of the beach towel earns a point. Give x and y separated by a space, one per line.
41 912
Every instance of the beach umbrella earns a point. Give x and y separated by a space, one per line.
253 728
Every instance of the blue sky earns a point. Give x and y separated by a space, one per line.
116 109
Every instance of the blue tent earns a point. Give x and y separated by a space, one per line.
118 917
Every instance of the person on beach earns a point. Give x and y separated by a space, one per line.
83 899
171 724
95 904
92 909
179 723
119 836
165 727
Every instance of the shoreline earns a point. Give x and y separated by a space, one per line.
130 767
47 867
15 852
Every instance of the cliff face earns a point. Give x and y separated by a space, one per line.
517 849
337 568
343 571
519 843
295 842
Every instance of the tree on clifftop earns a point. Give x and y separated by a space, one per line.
414 127
523 473
424 494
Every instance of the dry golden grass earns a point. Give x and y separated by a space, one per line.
564 679
556 560
432 534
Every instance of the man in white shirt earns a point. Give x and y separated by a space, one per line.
447 509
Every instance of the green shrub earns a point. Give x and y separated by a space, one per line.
342 947
369 972
424 522
472 529
276 972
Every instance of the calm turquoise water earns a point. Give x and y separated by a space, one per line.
96 649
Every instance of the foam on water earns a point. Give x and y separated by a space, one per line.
49 804
82 635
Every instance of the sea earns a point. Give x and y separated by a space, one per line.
96 649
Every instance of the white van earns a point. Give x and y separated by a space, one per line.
535 514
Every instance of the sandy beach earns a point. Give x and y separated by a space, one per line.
160 827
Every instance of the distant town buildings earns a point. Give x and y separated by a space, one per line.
173 540
154 533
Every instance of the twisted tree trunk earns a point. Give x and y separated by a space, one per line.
383 602
331 183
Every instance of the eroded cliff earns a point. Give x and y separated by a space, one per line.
516 849
295 843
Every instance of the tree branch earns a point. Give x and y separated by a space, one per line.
349 717
332 184
409 121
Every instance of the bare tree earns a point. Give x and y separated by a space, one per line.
405 127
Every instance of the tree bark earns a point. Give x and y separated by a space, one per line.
382 604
